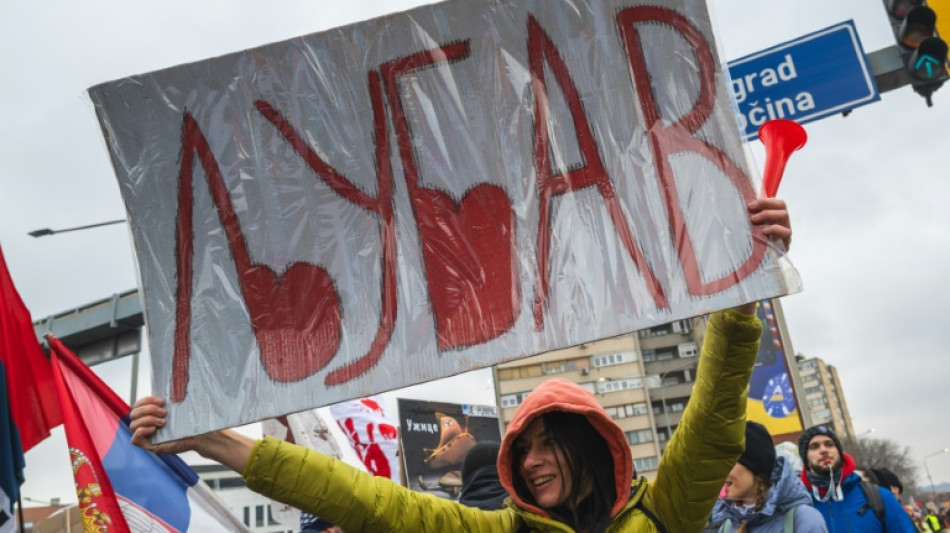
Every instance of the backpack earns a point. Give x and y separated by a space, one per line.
874 502
788 522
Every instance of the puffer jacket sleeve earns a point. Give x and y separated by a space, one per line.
357 501
710 437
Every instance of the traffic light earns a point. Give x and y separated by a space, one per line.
924 53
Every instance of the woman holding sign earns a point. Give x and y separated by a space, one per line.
565 464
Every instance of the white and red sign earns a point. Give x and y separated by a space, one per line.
444 189
373 435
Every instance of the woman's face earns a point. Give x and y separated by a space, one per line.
539 465
740 484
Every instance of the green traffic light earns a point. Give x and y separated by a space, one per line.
927 61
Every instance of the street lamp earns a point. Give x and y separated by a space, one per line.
933 489
868 432
46 231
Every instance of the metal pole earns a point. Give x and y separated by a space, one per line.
135 378
19 506
46 231
933 488
666 413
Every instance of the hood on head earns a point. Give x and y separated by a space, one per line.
786 492
562 395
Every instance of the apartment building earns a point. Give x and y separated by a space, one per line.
248 506
643 380
824 396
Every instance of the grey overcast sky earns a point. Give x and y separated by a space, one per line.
867 194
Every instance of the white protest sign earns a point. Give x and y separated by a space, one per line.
439 190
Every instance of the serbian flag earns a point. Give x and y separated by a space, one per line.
11 460
123 488
30 389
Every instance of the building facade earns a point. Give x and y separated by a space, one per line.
824 396
248 506
643 380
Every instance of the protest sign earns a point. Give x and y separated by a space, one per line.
443 189
435 438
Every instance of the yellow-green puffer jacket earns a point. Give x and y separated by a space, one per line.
705 447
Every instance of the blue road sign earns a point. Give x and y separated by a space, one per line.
805 79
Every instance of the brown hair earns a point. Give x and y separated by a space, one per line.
761 494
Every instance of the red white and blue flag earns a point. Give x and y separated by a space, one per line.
123 488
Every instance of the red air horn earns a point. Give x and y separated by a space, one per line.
781 137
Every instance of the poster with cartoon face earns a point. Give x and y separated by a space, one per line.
436 437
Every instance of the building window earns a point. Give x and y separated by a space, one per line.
556 367
646 464
520 372
259 516
639 436
615 385
247 516
514 399
504 374
627 410
230 483
649 356
610 359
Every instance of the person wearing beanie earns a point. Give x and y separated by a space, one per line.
762 493
889 480
481 486
847 503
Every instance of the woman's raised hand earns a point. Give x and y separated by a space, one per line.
227 447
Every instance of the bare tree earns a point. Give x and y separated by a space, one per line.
884 453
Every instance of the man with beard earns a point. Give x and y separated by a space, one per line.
848 504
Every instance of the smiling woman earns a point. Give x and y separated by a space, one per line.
565 466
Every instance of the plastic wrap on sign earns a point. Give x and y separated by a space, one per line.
443 189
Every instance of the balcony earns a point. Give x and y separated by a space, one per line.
680 390
670 365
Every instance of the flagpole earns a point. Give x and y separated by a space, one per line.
19 507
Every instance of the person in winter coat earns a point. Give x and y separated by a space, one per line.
564 462
763 494
480 484
837 490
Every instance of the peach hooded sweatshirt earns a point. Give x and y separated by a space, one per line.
562 395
